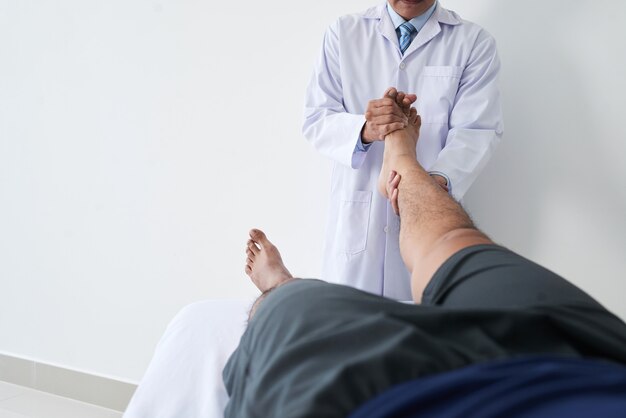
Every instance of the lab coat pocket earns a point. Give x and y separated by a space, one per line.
353 222
438 88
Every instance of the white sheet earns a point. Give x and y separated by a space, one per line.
184 378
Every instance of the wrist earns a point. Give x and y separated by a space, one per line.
367 136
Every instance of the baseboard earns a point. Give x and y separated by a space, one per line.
85 387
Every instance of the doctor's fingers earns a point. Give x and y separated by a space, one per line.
393 198
385 130
405 99
391 92
414 118
385 101
393 181
400 98
387 119
406 103
409 99
392 190
375 112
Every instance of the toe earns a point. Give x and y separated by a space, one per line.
252 247
250 254
248 270
259 237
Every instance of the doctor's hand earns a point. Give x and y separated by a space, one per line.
404 101
414 124
386 115
392 191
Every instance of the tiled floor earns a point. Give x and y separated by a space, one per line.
20 402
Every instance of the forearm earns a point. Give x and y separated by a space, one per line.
335 135
475 120
329 126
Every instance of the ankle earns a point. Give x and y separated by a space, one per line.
402 162
396 146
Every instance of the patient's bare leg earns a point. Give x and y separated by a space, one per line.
264 264
404 101
433 226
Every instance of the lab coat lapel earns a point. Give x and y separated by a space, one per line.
432 28
386 28
428 32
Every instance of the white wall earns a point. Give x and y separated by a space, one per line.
139 141
556 189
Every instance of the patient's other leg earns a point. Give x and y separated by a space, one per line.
264 264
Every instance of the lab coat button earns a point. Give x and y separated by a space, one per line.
402 65
386 229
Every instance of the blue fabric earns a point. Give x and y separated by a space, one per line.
531 387
406 32
361 147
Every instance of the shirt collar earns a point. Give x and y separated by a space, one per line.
418 22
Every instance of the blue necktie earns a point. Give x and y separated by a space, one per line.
406 30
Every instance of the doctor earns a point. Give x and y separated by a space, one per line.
452 66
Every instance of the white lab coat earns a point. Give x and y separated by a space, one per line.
452 66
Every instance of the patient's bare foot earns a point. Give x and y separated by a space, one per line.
398 145
264 264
